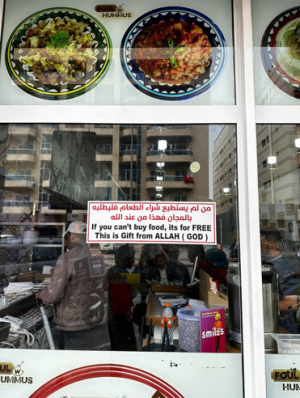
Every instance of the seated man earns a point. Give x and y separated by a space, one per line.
147 259
288 270
172 252
162 271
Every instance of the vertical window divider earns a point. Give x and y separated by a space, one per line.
1 18
250 258
252 304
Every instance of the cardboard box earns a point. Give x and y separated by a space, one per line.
210 299
40 277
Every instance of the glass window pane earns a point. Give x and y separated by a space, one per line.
276 55
136 54
279 199
280 251
45 189
165 230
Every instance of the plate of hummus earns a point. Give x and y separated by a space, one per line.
280 51
58 53
173 53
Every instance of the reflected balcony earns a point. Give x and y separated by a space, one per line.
126 184
55 212
46 152
11 206
17 130
18 181
125 156
124 180
104 130
103 180
104 155
126 132
21 155
171 131
74 127
170 155
49 128
45 173
167 182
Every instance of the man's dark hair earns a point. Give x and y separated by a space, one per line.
271 234
67 234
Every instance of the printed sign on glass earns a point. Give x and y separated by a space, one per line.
150 222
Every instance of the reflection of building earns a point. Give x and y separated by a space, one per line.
115 160
224 183
167 152
278 178
22 172
278 163
158 162
132 162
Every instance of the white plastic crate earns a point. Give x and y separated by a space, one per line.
287 343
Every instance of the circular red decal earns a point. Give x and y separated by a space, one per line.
107 370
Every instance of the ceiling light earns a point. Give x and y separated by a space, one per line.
162 145
272 159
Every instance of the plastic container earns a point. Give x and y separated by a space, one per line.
167 317
3 303
30 237
287 343
189 328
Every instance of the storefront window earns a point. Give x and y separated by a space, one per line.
132 54
157 206
276 55
278 176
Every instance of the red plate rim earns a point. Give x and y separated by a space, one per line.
105 370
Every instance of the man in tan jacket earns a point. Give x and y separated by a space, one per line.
78 289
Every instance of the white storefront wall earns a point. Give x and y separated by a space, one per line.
245 115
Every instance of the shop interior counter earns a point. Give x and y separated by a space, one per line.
229 347
17 304
24 311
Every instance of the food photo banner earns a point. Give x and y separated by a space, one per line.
137 53
150 222
276 34
110 374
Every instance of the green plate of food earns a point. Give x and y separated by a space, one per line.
58 53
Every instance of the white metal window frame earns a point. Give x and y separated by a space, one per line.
245 115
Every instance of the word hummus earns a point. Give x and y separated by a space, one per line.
15 380
117 15
286 387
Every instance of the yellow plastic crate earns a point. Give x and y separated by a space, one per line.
132 278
